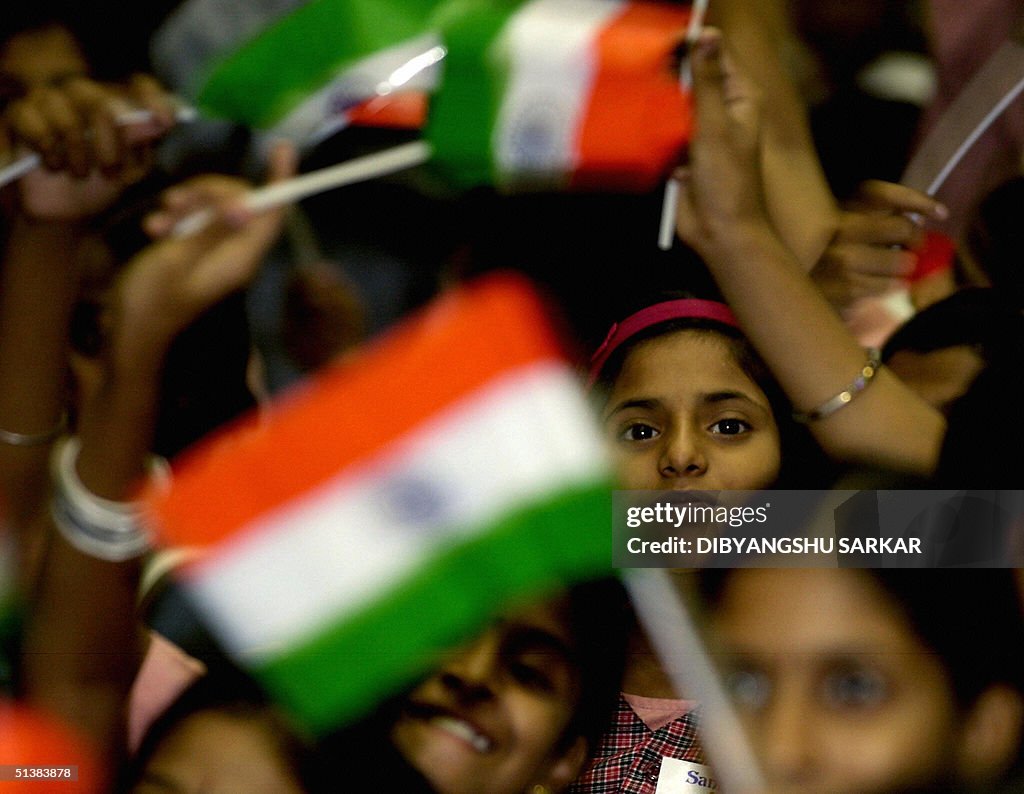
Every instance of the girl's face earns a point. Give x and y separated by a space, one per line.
216 752
683 415
836 691
492 719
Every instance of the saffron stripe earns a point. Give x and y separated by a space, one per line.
354 411
334 549
637 115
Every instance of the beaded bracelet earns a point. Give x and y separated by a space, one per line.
833 404
34 439
102 528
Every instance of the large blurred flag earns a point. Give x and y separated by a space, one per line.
561 94
394 503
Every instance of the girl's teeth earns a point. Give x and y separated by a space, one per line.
465 731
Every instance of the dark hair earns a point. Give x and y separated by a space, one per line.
975 316
600 620
974 453
996 239
804 465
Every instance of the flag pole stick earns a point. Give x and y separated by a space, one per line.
360 169
670 201
680 649
30 161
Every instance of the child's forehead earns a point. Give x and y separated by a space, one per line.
692 350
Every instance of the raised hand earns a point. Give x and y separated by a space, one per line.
872 250
94 140
172 281
721 187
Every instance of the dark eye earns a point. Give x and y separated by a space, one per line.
855 689
530 675
730 427
749 689
638 431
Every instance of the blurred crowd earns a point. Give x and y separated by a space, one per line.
816 324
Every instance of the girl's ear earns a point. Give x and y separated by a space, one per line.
992 735
564 768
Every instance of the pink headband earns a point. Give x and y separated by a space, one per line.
683 309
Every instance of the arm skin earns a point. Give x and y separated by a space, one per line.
723 215
799 199
90 161
83 644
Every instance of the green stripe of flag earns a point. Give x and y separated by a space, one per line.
464 111
259 82
345 671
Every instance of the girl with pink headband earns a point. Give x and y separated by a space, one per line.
690 405
687 405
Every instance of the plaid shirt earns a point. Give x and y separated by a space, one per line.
628 759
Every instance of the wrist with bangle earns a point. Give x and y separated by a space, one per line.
102 528
867 373
16 439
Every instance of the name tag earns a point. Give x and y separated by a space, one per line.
684 777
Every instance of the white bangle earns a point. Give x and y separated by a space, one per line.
14 439
102 528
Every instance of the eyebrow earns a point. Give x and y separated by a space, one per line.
713 398
519 638
647 403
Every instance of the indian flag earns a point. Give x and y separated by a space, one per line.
561 94
296 67
393 504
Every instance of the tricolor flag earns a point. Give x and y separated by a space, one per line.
394 503
561 94
294 67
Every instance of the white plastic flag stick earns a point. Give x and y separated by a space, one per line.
670 201
971 139
361 169
681 651
29 161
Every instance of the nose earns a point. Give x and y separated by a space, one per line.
470 674
682 454
785 736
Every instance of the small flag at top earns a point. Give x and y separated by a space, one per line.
296 67
561 94
391 505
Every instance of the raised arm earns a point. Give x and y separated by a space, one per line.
723 216
83 646
798 197
89 159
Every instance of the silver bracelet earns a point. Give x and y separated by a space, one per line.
34 439
102 528
833 404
